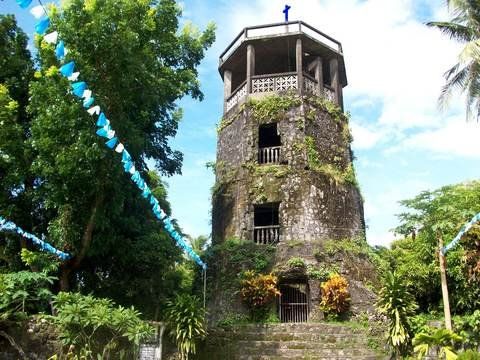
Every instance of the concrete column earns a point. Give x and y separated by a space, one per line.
299 58
319 75
227 87
250 66
335 82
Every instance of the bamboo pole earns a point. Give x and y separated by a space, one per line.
443 278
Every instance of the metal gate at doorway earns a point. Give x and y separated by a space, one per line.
293 303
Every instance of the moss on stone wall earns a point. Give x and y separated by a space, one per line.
338 175
273 106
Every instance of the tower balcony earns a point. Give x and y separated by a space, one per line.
275 58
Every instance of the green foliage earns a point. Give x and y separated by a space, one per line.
442 338
322 272
23 293
97 328
273 106
186 319
444 211
468 327
469 355
464 75
296 262
232 319
397 304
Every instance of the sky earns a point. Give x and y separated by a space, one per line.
395 64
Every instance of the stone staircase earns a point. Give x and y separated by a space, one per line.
310 341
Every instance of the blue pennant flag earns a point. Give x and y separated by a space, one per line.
79 88
112 142
89 102
67 69
102 120
126 156
42 26
146 192
102 132
127 165
60 50
24 3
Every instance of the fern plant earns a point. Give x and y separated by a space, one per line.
397 304
186 319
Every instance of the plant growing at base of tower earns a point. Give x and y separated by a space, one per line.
335 295
258 292
296 262
398 305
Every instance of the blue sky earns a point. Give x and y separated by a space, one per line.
402 142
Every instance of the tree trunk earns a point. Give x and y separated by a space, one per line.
67 267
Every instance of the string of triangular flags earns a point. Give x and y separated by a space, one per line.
462 231
80 90
9 226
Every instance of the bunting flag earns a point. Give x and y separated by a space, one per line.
80 90
462 231
9 226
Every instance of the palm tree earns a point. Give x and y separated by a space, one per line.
465 75
442 339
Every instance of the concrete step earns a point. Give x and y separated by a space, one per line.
296 336
273 345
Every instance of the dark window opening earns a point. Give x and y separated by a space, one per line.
293 303
266 224
269 144
268 136
326 73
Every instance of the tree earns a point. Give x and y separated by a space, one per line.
444 211
465 75
16 180
137 63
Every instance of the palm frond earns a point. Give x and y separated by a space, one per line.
454 31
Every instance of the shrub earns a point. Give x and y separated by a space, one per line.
335 295
258 291
397 304
24 292
468 326
296 262
97 327
186 319
442 339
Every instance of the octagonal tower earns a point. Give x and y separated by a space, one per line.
284 174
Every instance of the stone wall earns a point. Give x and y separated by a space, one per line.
314 184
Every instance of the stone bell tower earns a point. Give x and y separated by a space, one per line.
284 173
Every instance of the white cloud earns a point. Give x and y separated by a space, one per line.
456 138
363 137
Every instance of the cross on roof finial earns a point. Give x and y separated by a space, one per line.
285 11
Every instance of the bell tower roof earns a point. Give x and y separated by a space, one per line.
275 48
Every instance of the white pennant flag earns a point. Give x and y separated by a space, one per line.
119 148
94 110
132 170
51 38
74 76
87 94
110 134
38 11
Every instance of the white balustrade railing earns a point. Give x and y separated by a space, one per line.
269 155
274 82
278 83
266 234
236 96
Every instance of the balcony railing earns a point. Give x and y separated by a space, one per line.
239 93
266 234
269 155
274 82
278 83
